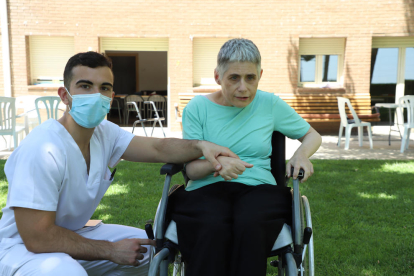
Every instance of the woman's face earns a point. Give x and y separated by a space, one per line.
239 84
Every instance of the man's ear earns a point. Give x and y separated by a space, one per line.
261 73
217 77
112 97
63 94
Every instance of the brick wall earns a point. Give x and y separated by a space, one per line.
275 26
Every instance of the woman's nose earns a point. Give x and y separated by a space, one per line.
242 86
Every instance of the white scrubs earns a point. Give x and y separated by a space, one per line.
48 172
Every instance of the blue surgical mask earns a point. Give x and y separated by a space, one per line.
89 110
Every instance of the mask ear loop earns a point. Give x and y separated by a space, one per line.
69 95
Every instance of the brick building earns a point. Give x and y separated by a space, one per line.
312 50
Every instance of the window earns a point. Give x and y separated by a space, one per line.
321 62
392 70
48 58
205 51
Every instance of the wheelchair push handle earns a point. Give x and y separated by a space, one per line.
149 231
301 173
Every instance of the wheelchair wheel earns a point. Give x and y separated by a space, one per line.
307 267
177 268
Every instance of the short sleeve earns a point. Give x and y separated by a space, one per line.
192 126
35 175
120 140
287 120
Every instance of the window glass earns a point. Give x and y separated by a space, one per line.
329 68
384 69
307 68
409 71
385 64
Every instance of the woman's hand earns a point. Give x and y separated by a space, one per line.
297 162
231 167
311 141
212 151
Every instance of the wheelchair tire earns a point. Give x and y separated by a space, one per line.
308 258
177 268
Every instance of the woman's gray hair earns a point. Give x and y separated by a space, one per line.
237 50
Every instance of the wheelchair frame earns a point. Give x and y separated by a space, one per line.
291 257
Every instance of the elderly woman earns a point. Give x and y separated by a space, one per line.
228 221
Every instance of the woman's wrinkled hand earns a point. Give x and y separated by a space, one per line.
231 167
298 162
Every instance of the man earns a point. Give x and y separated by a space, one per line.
59 173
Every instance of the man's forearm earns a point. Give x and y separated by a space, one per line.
58 239
156 150
178 150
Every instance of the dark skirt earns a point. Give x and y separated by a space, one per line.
229 228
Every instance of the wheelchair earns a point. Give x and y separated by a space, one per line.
293 246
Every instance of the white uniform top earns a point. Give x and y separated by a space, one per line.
48 172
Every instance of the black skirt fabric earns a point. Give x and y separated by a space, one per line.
229 228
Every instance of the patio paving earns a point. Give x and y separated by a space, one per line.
328 150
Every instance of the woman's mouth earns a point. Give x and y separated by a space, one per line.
242 98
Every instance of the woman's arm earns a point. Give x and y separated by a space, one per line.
311 142
231 168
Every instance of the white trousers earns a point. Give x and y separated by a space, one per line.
18 261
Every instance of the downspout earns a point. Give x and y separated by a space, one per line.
5 48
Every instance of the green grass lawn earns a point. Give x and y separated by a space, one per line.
362 211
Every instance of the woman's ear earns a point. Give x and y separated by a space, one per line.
217 77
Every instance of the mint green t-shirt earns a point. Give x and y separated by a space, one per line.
246 131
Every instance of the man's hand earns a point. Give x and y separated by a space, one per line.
212 151
129 251
297 162
231 167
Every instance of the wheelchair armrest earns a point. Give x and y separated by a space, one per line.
171 169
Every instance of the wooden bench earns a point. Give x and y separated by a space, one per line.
319 108
313 108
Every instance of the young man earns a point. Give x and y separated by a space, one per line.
59 174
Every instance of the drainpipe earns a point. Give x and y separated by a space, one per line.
5 48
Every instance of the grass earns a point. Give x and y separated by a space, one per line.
362 211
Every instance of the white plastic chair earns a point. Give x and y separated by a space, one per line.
27 103
51 104
155 119
178 117
140 119
8 120
139 103
349 124
160 103
407 102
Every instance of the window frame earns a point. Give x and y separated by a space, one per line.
306 48
63 48
210 47
319 71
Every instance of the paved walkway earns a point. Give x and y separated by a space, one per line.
328 150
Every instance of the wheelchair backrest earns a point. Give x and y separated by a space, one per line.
278 158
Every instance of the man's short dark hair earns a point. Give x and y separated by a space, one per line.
89 59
